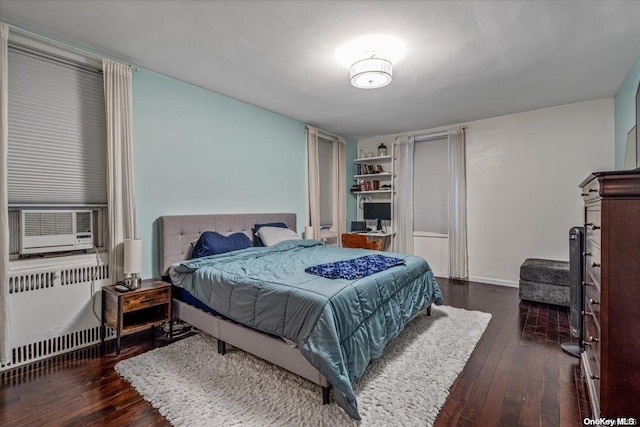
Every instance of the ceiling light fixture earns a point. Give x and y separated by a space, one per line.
371 73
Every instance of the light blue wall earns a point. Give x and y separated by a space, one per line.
196 151
625 110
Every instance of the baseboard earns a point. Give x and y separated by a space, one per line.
499 282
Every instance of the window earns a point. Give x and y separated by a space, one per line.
328 179
431 186
56 135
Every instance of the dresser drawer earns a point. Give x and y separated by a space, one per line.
591 191
594 363
593 223
591 371
592 336
592 304
592 261
136 301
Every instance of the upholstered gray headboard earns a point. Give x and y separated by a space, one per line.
178 231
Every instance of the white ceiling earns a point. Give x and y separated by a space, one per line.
465 60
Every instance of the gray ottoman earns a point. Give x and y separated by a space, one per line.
545 280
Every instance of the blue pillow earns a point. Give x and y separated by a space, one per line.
212 243
256 227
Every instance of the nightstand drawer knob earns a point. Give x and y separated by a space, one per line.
593 302
593 339
594 377
595 264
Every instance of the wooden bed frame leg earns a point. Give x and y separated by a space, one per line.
326 395
429 310
222 347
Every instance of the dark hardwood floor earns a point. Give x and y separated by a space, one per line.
517 374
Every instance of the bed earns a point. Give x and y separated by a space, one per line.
264 294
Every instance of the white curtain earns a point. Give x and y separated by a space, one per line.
313 170
5 345
342 191
403 205
458 258
120 189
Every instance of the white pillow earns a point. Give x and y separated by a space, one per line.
273 235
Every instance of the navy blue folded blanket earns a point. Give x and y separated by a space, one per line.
354 268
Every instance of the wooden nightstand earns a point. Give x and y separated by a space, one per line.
133 311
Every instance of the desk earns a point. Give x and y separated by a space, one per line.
377 235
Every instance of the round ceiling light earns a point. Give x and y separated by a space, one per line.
371 73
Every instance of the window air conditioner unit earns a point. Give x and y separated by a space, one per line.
55 230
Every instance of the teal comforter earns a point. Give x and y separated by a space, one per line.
339 325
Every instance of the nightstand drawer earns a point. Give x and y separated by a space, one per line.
136 301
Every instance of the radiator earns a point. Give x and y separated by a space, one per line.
51 306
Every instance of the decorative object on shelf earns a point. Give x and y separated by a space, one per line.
361 154
382 150
376 184
132 262
370 154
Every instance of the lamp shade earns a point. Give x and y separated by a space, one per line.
132 256
308 232
371 73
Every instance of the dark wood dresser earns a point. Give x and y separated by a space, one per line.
611 360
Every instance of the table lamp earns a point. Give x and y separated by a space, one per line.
132 263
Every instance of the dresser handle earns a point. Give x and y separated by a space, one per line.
587 284
593 226
593 302
593 190
595 264
593 339
585 194
594 377
587 254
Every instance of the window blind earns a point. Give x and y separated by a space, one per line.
57 131
431 186
325 161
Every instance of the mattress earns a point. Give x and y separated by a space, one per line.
339 325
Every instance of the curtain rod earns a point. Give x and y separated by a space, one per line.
325 135
43 39
434 135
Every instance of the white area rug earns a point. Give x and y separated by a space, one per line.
192 385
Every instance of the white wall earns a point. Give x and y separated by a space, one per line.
523 172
